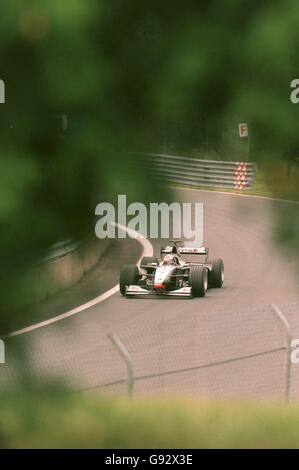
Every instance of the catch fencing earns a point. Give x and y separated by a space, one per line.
197 173
245 354
242 352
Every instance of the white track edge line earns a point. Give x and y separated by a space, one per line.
148 250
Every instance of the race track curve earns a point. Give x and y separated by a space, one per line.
226 344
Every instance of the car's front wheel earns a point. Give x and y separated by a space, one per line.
216 276
198 280
129 275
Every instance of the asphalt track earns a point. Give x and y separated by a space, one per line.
226 344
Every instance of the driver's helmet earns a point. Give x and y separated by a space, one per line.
168 260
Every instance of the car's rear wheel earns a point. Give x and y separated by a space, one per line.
129 275
216 276
198 280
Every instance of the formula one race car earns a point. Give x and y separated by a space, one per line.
172 276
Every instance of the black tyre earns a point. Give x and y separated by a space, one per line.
148 260
129 275
216 276
198 280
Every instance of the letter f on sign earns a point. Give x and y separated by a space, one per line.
243 129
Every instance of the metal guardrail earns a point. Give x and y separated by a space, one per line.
194 172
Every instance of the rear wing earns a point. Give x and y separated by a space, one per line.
186 250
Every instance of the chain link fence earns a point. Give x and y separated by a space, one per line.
237 353
241 353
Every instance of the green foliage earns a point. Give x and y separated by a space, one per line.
39 420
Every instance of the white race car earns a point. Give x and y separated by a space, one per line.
172 276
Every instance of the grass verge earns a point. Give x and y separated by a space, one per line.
81 421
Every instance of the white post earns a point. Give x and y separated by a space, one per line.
2 352
2 92
127 358
282 319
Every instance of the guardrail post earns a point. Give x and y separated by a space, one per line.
127 358
282 319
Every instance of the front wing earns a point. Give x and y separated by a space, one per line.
137 290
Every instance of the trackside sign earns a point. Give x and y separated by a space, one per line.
243 129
